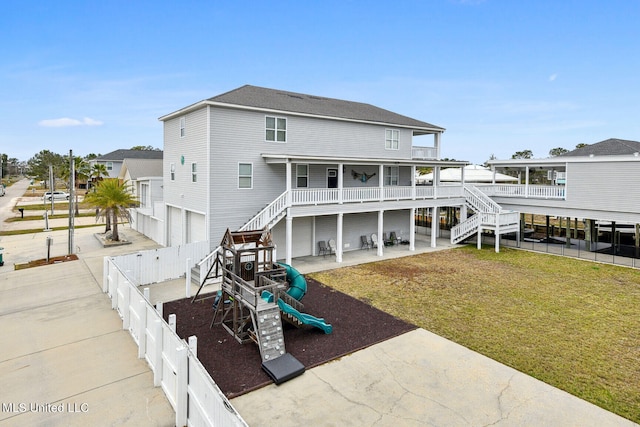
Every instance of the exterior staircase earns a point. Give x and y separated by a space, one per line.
488 216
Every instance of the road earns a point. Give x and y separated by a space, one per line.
9 200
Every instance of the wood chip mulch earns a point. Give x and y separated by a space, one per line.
236 368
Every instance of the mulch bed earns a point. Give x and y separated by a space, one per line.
44 261
236 368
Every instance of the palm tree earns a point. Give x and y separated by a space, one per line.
98 171
81 173
112 200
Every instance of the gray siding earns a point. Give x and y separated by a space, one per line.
604 185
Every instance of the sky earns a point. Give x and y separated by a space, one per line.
500 76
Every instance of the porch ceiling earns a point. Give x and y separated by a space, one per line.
285 158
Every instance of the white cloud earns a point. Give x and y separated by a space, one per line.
66 122
552 77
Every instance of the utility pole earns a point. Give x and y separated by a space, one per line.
72 189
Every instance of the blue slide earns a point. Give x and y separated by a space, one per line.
306 319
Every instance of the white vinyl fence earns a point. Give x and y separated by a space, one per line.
189 388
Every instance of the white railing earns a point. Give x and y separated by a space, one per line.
465 229
189 388
268 214
360 194
206 263
479 201
314 196
424 153
557 192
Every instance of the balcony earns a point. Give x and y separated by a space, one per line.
319 196
424 153
547 192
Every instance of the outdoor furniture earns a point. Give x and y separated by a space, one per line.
332 246
386 240
323 248
374 240
364 242
394 239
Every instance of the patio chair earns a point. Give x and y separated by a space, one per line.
386 240
323 249
332 246
364 242
374 240
394 239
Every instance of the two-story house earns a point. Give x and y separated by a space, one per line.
113 161
311 168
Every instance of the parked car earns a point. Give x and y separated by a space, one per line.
57 195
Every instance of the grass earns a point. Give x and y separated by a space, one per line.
570 323
39 230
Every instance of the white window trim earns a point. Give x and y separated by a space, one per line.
109 166
300 176
391 141
245 176
183 126
172 171
194 172
275 130
394 171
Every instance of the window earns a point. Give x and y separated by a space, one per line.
302 176
245 175
391 174
183 123
194 172
109 166
144 192
173 171
276 129
391 139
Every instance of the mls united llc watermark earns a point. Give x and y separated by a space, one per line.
68 407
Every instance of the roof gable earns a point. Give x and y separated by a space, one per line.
272 99
138 168
608 147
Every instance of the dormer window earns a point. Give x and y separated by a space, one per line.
276 129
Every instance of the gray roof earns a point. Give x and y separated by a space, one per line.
272 99
120 155
608 147
142 167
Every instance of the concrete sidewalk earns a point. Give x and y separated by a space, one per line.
65 359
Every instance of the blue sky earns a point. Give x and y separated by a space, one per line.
500 76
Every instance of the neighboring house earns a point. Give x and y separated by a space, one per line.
596 183
311 168
113 160
144 177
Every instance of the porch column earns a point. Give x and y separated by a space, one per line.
463 213
526 182
340 181
380 231
289 236
413 183
339 245
567 233
497 232
313 236
381 184
288 181
436 144
435 225
412 229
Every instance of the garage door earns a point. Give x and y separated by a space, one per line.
196 230
175 226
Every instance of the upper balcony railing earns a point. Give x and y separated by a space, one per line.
554 192
424 153
319 196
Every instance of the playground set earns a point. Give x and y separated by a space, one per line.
256 294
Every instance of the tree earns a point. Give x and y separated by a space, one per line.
98 171
558 151
581 145
491 157
81 173
524 154
39 164
113 200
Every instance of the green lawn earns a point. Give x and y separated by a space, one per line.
570 323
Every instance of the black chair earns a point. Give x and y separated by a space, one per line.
386 240
394 239
323 248
364 242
